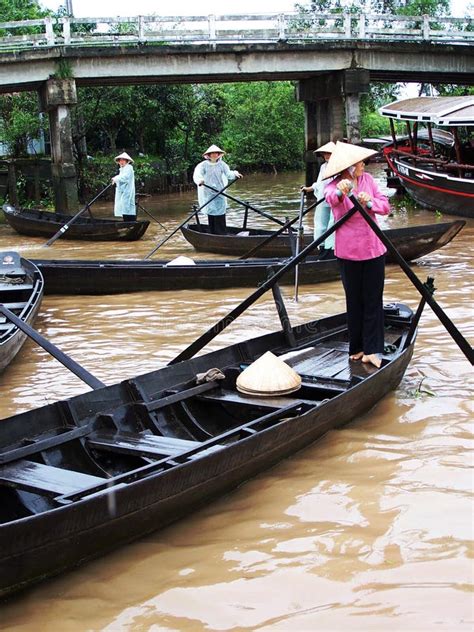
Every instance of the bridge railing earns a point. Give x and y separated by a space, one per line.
249 28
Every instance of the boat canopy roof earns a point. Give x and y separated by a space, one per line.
449 111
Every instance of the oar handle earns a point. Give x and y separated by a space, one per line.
452 330
66 226
59 355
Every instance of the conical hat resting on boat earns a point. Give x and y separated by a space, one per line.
181 261
268 376
344 156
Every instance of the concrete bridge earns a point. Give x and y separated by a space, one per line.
334 57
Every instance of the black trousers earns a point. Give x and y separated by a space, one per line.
363 283
129 218
217 224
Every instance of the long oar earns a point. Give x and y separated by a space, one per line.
216 329
68 362
247 205
452 330
281 230
65 227
299 241
195 212
142 208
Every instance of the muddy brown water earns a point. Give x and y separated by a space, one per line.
369 529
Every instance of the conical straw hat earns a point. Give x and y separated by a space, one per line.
344 156
268 376
213 149
123 156
181 261
328 148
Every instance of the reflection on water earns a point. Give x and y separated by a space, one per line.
371 527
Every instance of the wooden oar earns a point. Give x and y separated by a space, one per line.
195 212
281 230
452 330
59 355
211 333
247 205
299 241
142 208
65 227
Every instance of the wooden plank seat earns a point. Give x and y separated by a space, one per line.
13 306
18 286
45 479
254 400
145 445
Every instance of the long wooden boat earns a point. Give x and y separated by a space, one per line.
21 291
38 223
115 277
85 475
435 174
412 242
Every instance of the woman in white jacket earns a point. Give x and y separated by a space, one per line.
124 205
323 217
214 172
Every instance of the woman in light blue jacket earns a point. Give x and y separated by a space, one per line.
214 172
323 217
124 205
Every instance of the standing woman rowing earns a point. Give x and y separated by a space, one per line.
124 205
214 172
360 252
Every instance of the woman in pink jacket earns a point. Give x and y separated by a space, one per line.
360 252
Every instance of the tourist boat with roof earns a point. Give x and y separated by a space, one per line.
435 161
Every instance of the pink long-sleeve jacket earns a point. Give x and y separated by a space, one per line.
355 239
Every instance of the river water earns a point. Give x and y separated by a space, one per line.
369 529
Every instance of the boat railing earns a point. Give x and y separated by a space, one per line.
437 163
305 25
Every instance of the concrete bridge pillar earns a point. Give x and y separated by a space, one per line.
332 111
57 97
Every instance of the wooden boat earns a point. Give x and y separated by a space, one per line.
412 242
115 277
436 173
21 291
38 223
85 475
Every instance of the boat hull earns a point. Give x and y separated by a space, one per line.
412 242
434 190
37 223
38 546
29 295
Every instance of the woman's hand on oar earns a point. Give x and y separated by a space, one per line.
195 212
65 226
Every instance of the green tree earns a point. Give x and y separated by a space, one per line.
265 128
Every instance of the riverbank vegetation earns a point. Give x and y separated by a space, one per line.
167 127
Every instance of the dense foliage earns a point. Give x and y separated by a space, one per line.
167 127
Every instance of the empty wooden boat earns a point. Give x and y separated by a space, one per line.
21 291
83 476
38 223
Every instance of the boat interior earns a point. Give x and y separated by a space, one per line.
150 424
18 290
